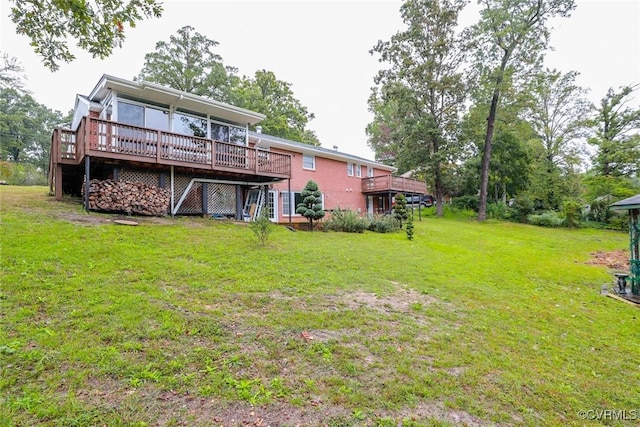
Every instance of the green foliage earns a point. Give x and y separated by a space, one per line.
384 224
510 37
546 219
286 116
572 211
617 138
25 129
188 62
523 206
311 205
347 221
21 174
98 26
419 94
599 210
499 211
262 227
400 208
466 203
409 227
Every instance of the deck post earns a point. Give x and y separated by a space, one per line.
173 199
239 203
87 184
58 181
205 198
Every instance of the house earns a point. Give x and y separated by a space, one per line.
203 153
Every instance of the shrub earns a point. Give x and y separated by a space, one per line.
498 211
262 227
347 221
384 224
546 219
409 227
522 208
572 212
467 203
599 210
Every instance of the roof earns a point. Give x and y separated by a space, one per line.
264 140
629 203
178 98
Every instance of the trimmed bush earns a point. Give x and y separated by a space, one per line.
347 221
546 219
384 224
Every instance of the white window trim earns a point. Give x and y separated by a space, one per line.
358 171
369 172
313 161
290 194
350 167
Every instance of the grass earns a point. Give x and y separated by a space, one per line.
191 321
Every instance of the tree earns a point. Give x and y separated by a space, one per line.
416 107
11 73
286 116
311 205
556 113
25 129
617 134
510 36
188 62
98 25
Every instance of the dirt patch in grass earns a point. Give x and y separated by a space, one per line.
615 260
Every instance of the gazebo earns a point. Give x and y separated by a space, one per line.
632 204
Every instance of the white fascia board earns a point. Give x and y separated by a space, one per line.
164 95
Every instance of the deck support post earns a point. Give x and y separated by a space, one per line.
87 179
205 198
173 199
58 181
239 203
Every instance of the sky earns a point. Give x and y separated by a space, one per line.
322 48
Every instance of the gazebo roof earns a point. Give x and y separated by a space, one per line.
632 202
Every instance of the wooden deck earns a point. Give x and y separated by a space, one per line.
390 183
110 140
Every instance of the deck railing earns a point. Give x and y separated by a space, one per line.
393 183
107 139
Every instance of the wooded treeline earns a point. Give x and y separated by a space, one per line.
475 113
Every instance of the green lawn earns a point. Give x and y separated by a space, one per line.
190 321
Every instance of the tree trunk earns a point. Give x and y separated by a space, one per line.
486 156
439 195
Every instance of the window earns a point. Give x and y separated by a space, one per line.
350 169
369 171
308 162
297 199
189 125
359 171
143 116
227 133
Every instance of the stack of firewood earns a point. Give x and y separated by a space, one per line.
129 197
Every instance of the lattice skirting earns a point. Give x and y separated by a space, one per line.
220 198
